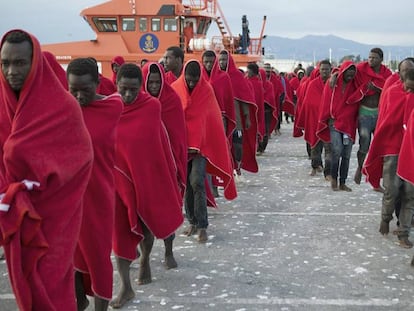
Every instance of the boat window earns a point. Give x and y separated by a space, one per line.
128 24
200 27
143 24
106 24
156 24
170 24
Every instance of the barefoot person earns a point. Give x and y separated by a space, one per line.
382 157
172 116
46 160
94 272
207 146
148 197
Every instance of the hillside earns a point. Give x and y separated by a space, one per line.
313 47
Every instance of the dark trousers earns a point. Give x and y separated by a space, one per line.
195 194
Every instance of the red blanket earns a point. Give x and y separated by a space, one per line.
299 123
205 131
119 60
242 92
172 115
311 105
366 74
335 106
43 139
105 86
57 68
93 256
288 104
221 83
258 91
145 177
405 167
278 88
170 77
389 131
269 98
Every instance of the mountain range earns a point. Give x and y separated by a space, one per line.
317 47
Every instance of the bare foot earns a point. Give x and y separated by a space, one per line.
190 230
144 276
123 297
384 227
169 262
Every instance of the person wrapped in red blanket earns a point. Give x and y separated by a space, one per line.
172 115
245 134
384 154
46 160
338 122
148 197
370 79
94 272
207 146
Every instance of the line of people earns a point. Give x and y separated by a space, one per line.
334 103
92 166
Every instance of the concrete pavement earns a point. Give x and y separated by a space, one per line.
288 242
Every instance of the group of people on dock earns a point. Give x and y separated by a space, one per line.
93 166
334 104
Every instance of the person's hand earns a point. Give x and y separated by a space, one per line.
247 122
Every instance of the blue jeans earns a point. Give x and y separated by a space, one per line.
195 194
366 128
340 155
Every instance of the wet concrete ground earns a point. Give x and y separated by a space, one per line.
288 242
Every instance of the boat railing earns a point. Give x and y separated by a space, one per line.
208 6
232 44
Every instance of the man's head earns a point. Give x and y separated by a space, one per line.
405 65
173 59
325 69
208 60
252 70
375 57
83 79
16 58
223 60
268 68
192 74
154 80
349 73
128 82
300 73
409 80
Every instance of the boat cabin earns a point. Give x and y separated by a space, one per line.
143 29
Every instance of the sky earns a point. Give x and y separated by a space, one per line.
365 21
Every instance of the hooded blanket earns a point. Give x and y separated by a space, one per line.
145 177
93 255
44 140
172 115
205 131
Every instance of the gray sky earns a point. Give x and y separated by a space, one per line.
366 21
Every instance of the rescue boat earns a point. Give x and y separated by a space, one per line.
143 29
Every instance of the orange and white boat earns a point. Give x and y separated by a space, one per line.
144 29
